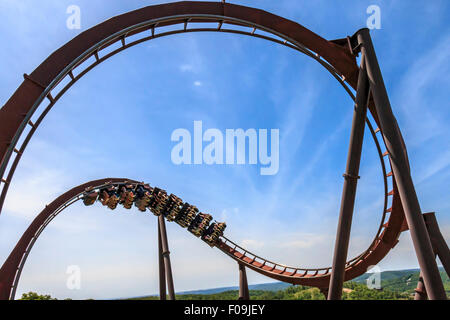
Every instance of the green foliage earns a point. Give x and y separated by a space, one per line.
356 291
392 289
34 296
403 281
396 285
359 291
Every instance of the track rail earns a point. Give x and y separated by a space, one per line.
319 277
25 110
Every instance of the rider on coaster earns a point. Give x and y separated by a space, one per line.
200 223
127 196
173 208
143 196
212 234
89 198
158 202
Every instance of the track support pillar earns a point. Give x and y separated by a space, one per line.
400 167
243 284
440 249
421 293
164 258
438 243
350 183
324 291
162 272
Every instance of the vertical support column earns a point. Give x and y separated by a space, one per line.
324 291
162 273
400 167
421 293
440 249
350 183
438 243
165 254
243 285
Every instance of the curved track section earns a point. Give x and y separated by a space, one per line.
26 109
108 191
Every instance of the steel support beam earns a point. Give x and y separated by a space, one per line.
243 284
166 257
421 293
440 249
400 166
324 291
350 184
438 243
162 272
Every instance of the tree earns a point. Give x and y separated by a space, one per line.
34 296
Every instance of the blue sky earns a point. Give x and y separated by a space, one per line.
117 121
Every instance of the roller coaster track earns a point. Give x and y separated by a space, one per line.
13 266
26 109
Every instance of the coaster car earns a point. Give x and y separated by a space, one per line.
158 202
143 196
113 201
173 208
89 198
213 233
142 189
187 215
109 197
200 224
127 196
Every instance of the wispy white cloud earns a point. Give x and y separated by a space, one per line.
186 67
28 194
298 229
440 162
252 244
319 154
424 119
307 241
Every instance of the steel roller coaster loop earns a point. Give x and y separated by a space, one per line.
26 109
112 192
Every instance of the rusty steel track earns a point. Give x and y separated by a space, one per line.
149 30
92 47
26 109
11 270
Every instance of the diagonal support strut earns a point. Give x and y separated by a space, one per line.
350 183
401 170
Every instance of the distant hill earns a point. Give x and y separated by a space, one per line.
396 284
403 280
388 275
270 286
